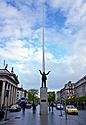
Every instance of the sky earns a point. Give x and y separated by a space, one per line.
21 24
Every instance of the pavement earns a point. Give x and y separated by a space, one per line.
53 118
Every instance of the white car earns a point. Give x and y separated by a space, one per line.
59 106
15 108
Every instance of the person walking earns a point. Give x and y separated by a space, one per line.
52 106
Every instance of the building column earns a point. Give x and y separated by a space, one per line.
12 95
16 93
6 88
3 93
9 98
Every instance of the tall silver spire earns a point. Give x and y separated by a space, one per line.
43 50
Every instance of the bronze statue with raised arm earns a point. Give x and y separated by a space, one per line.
44 78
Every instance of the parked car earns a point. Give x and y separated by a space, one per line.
59 106
15 108
2 113
71 109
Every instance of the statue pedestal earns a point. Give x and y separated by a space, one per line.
43 101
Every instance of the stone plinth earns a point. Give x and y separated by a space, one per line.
43 101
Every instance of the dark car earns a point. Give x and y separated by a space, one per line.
2 113
28 105
15 108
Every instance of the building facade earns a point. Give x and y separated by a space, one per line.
8 81
57 95
80 87
66 92
21 93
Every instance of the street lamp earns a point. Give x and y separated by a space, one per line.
64 101
60 106
65 109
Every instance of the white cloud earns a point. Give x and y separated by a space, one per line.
63 4
15 22
77 14
26 55
14 50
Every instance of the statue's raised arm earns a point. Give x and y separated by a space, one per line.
40 72
48 73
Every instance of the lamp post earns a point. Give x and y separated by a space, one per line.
64 103
60 106
65 110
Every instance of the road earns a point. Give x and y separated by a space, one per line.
34 118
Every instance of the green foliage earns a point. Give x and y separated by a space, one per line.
77 99
36 99
33 95
51 96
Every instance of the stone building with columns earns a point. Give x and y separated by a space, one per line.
8 81
80 87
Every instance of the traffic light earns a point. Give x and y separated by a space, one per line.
7 93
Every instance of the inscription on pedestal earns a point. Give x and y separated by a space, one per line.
43 101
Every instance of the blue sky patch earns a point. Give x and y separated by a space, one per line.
55 18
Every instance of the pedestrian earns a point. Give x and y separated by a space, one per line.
49 107
23 106
34 107
3 107
52 105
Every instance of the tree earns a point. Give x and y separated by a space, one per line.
32 95
51 96
76 99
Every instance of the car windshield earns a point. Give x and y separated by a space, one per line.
70 106
59 104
